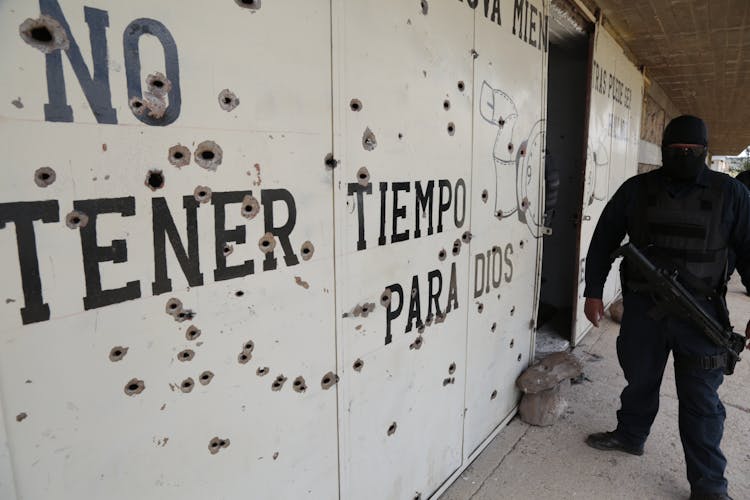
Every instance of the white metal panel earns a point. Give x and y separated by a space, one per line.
506 209
401 396
82 435
612 155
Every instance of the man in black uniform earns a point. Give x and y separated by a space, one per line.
682 216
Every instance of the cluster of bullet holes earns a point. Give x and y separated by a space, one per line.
385 297
307 250
154 180
456 247
249 4
21 416
494 394
417 344
250 206
330 162
299 385
425 6
117 353
228 100
448 381
363 176
247 352
187 385
442 254
186 355
358 365
363 309
75 220
329 380
134 386
208 155
485 196
451 128
154 100
179 155
392 429
202 194
278 383
44 176
192 333
216 444
355 105
368 140
267 243
262 372
45 34
175 309
206 377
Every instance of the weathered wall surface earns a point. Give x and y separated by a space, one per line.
264 250
658 110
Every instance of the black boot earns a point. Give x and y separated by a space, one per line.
611 441
709 496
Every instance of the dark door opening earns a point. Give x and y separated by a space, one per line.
567 84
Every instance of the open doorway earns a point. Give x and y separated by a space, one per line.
567 84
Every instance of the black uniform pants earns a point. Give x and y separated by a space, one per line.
643 347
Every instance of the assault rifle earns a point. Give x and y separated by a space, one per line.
666 288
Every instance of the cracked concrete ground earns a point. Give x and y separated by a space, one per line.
525 462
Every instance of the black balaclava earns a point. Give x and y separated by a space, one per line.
684 129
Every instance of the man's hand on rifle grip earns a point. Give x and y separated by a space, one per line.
594 310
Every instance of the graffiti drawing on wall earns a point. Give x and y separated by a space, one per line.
515 156
597 171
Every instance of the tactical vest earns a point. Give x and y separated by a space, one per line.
683 233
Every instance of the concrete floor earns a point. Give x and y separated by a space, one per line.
526 462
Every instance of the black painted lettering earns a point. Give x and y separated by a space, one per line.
487 279
526 22
23 215
93 254
444 186
472 3
424 202
497 267
518 16
390 312
354 188
452 291
224 236
460 188
163 227
383 186
478 275
434 294
96 88
508 263
268 197
543 27
532 25
415 308
496 13
399 212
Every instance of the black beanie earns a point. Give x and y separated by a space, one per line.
685 129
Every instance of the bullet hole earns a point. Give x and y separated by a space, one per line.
249 4
510 147
421 329
76 219
466 237
446 105
400 135
417 344
228 100
474 53
186 355
512 343
417 496
330 162
428 319
439 318
521 243
192 332
512 310
158 84
494 394
448 381
493 327
187 385
485 196
363 176
134 386
392 429
262 372
299 385
184 315
137 106
329 380
267 243
358 364
206 377
250 207
202 194
413 293
275 455
174 306
304 284
368 140
117 353
522 151
216 444
44 176
278 383
363 309
239 293
179 155
425 6
355 105
44 33
461 86
307 250
501 121
154 180
17 103
227 249
244 357
452 369
385 297
520 357
499 214
248 347
21 417
208 155
442 254
480 308
156 104
525 203
451 128
456 247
